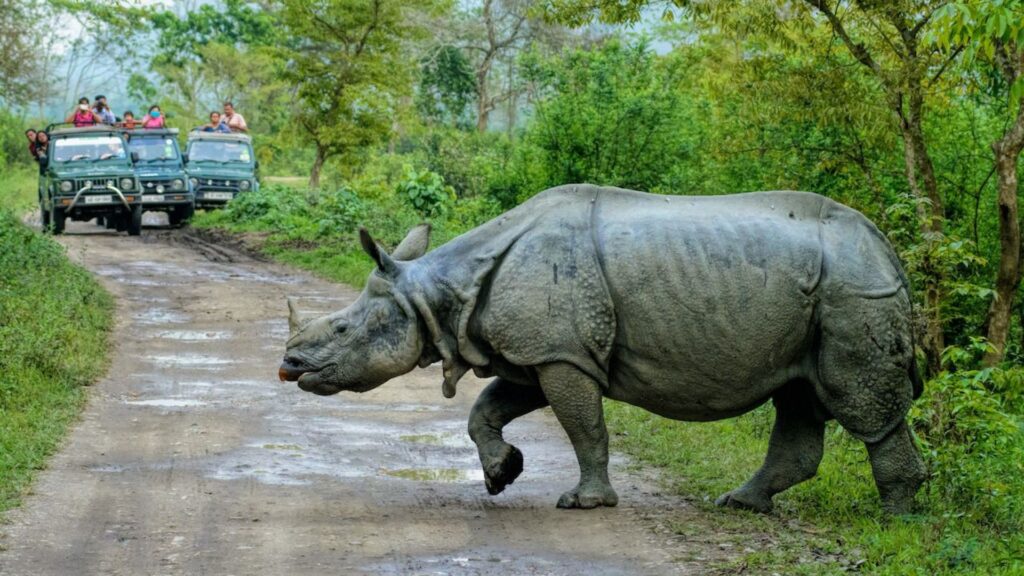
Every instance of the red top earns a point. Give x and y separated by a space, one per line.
84 119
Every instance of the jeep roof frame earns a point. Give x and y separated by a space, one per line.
198 134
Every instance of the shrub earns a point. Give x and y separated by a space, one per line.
426 192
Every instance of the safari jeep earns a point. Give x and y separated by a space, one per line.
88 173
160 167
220 167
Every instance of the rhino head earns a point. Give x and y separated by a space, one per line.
377 338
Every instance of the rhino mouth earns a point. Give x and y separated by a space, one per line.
289 372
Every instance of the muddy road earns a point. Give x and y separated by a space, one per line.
192 459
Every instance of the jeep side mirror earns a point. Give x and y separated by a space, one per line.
257 165
184 158
135 157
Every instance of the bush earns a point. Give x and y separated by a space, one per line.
426 192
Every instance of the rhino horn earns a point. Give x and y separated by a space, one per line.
294 321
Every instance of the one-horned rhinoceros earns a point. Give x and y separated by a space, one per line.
695 308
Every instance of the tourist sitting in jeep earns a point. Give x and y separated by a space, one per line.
220 166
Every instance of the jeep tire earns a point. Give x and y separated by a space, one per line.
133 221
57 217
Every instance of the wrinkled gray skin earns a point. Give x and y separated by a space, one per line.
695 308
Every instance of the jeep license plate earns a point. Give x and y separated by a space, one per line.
152 198
104 199
218 196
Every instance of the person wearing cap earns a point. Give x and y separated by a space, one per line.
103 110
233 119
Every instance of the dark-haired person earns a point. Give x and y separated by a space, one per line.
128 120
42 146
31 135
83 115
216 124
233 119
103 111
155 118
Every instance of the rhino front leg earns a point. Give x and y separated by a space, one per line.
500 403
576 400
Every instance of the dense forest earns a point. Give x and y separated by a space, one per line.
393 112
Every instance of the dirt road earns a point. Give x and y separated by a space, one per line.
192 459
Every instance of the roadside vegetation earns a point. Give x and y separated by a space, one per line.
54 322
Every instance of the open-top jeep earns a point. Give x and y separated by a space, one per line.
220 166
160 168
88 173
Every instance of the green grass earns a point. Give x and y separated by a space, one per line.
54 325
699 461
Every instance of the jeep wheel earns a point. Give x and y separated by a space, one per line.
57 220
134 221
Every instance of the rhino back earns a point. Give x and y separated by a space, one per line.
714 296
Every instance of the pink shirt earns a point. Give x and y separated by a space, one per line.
236 122
151 122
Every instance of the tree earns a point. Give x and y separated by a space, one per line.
447 86
992 33
350 70
19 65
503 28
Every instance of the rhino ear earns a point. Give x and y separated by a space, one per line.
415 244
384 262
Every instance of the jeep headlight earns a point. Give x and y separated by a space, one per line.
66 186
194 182
244 184
177 185
127 183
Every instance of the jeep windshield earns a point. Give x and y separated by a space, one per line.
220 152
154 149
88 149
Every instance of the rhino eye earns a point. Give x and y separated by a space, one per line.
340 328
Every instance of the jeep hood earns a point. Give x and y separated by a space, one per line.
220 172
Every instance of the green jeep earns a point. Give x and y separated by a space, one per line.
87 174
161 170
220 167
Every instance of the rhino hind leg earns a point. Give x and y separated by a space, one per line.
794 450
865 368
498 404
576 399
898 470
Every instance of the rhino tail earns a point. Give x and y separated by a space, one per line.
915 377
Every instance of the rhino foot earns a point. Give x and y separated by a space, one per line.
590 496
502 470
743 500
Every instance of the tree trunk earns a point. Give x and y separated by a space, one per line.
483 100
1007 151
921 180
318 164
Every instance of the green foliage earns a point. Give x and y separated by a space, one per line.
612 116
54 321
238 24
426 192
446 88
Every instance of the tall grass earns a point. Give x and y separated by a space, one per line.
54 324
